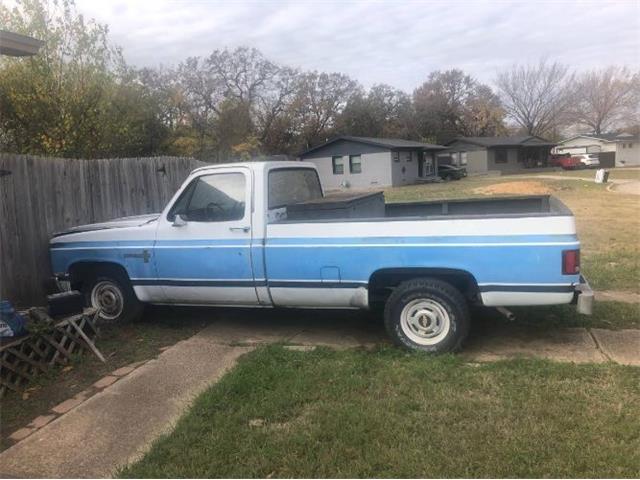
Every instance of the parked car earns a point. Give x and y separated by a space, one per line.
566 161
263 234
451 172
589 160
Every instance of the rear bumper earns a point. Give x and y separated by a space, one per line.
583 297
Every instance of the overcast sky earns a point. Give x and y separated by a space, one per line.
395 42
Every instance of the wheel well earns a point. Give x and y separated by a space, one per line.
81 272
382 282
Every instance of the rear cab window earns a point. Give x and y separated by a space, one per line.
287 186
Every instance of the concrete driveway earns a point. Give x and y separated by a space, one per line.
93 435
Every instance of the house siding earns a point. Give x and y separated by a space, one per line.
481 159
376 171
512 164
378 167
585 145
404 171
627 156
476 156
477 162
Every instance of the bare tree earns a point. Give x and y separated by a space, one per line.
320 100
273 113
604 99
244 72
536 96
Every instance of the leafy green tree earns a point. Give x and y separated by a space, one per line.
383 111
76 97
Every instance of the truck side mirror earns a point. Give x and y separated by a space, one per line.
179 221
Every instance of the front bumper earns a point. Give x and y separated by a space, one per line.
583 297
62 282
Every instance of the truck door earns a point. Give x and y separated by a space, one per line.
203 242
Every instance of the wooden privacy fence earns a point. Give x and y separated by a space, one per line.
40 196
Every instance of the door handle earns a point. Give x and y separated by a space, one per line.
239 229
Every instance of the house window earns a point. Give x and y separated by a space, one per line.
395 156
338 166
624 145
463 158
355 165
410 157
501 156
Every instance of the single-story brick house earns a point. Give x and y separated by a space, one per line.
625 146
498 154
364 162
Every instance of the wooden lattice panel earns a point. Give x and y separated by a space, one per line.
26 357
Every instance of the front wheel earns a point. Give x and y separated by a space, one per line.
115 298
427 314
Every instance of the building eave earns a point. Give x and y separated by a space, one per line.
348 138
16 45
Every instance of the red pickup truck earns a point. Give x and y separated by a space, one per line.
565 161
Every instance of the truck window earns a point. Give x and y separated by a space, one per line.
212 198
293 185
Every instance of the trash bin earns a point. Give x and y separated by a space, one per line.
602 175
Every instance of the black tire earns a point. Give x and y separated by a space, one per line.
444 311
113 294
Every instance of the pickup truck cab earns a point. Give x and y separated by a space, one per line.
264 234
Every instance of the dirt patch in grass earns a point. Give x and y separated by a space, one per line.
515 188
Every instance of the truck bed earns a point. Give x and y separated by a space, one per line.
371 206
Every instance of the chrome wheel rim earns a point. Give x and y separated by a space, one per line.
425 321
108 297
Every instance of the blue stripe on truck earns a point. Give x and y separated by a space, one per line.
291 259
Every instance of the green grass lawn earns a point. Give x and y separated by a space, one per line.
388 413
608 223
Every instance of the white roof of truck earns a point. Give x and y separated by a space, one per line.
256 166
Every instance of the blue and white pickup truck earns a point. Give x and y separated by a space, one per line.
264 235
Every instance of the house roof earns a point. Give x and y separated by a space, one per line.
16 45
606 137
515 141
390 143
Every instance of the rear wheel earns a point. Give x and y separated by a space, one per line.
427 314
114 296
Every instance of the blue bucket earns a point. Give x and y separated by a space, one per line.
13 319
